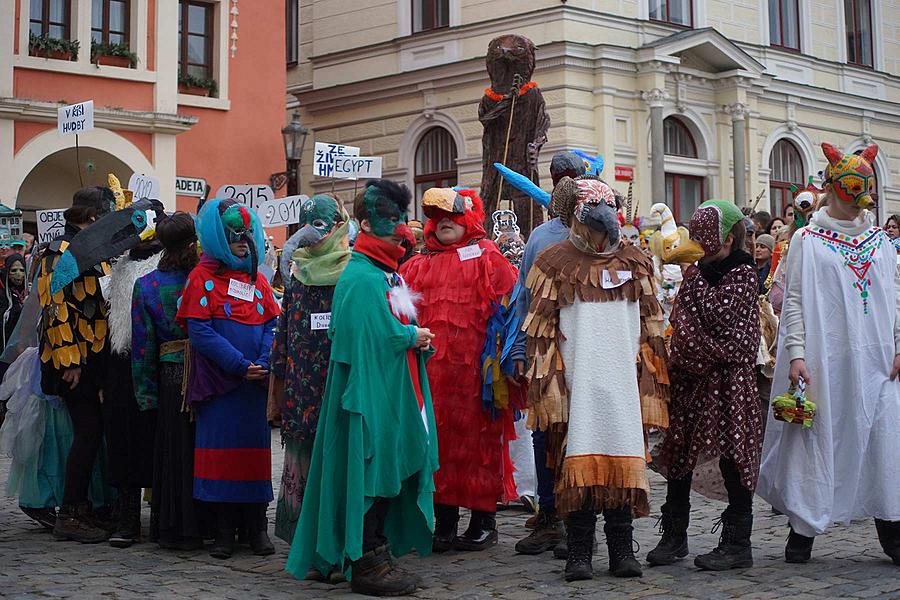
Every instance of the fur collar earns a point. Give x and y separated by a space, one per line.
121 286
403 300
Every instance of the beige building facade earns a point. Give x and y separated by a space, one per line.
674 89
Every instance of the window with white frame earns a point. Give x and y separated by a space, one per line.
435 163
858 19
673 12
430 14
784 24
51 18
786 168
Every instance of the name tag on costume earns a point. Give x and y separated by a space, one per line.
608 282
469 252
240 290
319 321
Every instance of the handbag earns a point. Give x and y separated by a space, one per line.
794 407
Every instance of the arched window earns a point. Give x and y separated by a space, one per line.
684 193
435 163
786 169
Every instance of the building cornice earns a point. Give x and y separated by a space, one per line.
21 109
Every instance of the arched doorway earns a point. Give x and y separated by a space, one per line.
53 181
786 167
435 164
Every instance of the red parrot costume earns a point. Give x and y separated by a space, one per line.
460 285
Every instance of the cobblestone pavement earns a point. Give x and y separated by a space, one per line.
848 563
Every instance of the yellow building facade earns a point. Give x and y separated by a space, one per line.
673 89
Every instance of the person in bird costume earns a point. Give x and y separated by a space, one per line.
593 303
715 411
840 337
302 346
371 476
462 277
230 313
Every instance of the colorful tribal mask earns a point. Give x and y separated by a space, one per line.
712 222
591 202
851 176
386 205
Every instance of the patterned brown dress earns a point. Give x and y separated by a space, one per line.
714 409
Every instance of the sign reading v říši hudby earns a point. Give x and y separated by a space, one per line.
50 224
76 118
190 186
344 162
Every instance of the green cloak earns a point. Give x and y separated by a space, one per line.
371 440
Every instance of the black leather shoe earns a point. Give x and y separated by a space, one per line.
446 521
798 549
481 534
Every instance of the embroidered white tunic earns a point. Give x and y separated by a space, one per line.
840 314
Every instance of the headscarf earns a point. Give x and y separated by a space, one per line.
323 264
712 222
211 224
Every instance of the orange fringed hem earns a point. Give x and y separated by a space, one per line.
599 481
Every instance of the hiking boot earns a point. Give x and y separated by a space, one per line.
889 536
733 551
673 545
548 532
481 533
46 517
446 521
620 544
561 551
75 523
260 544
798 549
128 531
223 546
532 521
580 542
374 575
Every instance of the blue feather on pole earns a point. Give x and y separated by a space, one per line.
594 164
525 185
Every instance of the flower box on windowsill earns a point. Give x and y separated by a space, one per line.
53 54
192 90
114 61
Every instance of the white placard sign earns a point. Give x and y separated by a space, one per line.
357 167
50 224
327 154
144 187
281 211
252 195
76 118
190 186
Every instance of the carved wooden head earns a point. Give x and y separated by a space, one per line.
507 56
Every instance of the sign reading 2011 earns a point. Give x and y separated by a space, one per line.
75 119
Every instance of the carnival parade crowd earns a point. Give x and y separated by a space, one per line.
147 356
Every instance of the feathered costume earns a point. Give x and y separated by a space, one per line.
460 285
230 318
588 309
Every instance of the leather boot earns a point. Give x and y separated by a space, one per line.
46 517
481 533
547 534
223 546
375 575
258 524
673 545
733 551
620 544
128 531
446 521
798 549
889 536
73 522
580 540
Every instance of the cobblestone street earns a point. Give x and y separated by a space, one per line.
847 563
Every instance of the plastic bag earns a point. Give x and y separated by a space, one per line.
22 434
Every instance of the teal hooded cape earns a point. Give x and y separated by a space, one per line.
371 440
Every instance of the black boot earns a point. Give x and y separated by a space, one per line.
74 522
128 531
889 536
258 526
46 517
620 543
673 545
580 541
223 546
798 549
375 575
446 520
733 551
481 534
547 534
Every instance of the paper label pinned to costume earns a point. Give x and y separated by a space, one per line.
469 252
621 276
240 290
319 321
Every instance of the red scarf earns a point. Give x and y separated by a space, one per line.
385 253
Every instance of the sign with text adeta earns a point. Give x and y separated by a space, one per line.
327 155
252 195
76 118
50 224
281 211
190 186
